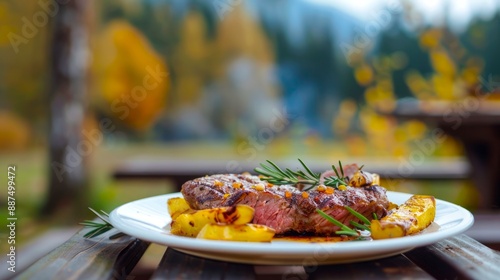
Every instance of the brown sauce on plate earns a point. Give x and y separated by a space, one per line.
312 239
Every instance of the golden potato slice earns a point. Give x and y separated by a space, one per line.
375 179
362 178
246 232
190 224
416 214
177 206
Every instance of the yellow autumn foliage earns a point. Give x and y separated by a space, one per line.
417 84
132 78
193 36
363 74
472 71
191 60
430 38
5 24
253 44
443 86
442 62
415 129
342 120
14 132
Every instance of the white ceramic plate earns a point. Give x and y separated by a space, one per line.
148 219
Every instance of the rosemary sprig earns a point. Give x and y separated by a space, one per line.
275 175
99 228
359 226
358 215
345 230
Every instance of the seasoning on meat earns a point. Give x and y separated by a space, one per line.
284 207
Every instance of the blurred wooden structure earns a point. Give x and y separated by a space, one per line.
181 170
69 81
474 122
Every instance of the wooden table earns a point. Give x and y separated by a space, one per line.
474 122
459 257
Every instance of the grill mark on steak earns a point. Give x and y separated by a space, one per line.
274 209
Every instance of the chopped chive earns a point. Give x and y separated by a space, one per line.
347 232
358 215
360 226
335 222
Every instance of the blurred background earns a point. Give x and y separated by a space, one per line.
92 89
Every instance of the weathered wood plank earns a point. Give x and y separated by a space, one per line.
397 267
177 265
89 258
459 257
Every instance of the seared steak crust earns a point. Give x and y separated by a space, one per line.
285 208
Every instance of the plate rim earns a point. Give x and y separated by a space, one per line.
272 250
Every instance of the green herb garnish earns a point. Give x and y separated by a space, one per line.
99 228
345 230
275 175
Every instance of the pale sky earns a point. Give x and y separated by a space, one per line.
460 12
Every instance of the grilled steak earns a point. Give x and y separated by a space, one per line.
285 208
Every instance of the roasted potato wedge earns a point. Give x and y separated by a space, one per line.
190 224
416 214
375 179
246 232
362 178
177 206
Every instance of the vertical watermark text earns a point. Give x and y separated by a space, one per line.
11 218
